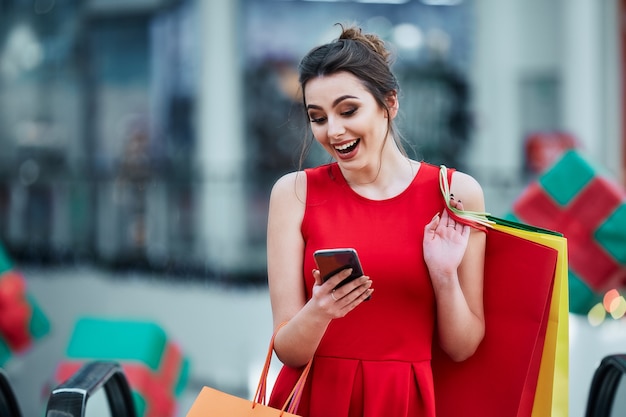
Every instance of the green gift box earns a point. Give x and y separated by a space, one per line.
580 200
155 367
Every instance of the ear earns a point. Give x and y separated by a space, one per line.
392 103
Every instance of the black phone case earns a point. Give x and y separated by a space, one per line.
332 261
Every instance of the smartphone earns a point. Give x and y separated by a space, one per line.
331 261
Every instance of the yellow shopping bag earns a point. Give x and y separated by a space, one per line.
551 395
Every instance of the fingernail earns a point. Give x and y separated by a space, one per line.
435 216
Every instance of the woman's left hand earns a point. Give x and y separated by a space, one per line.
445 241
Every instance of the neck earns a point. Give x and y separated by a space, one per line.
387 178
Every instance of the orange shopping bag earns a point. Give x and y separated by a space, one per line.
214 403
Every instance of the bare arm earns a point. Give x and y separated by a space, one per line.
297 341
455 258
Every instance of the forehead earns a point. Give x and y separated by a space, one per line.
325 89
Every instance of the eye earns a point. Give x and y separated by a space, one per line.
314 119
349 112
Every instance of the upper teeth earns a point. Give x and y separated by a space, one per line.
345 146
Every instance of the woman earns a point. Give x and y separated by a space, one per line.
369 357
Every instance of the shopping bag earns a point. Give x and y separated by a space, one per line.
552 383
524 304
214 403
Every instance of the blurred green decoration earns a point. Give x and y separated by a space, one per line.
155 366
579 199
22 321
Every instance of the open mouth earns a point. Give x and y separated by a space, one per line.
347 147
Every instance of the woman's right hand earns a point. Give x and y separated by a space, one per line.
336 303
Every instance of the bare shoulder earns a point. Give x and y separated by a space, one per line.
290 187
467 189
288 199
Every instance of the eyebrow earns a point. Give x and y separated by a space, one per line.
335 102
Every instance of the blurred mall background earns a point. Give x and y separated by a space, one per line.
139 140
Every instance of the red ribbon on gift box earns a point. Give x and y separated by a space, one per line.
578 221
15 311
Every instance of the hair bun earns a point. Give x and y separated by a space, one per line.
372 41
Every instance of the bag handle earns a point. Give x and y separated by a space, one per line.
293 400
479 220
476 219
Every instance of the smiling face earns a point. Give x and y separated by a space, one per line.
346 119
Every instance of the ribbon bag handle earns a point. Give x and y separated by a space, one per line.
293 400
479 220
476 219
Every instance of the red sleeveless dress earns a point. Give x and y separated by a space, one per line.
375 361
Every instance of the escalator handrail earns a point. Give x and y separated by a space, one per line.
604 385
8 400
69 399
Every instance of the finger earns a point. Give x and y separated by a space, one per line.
361 297
338 277
358 292
317 276
444 216
446 220
355 286
434 222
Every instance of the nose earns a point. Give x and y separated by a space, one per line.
335 127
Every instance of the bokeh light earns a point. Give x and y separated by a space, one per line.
408 36
609 298
618 307
596 315
612 303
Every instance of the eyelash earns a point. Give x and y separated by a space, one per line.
347 113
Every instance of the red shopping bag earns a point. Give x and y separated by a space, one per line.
523 267
519 275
